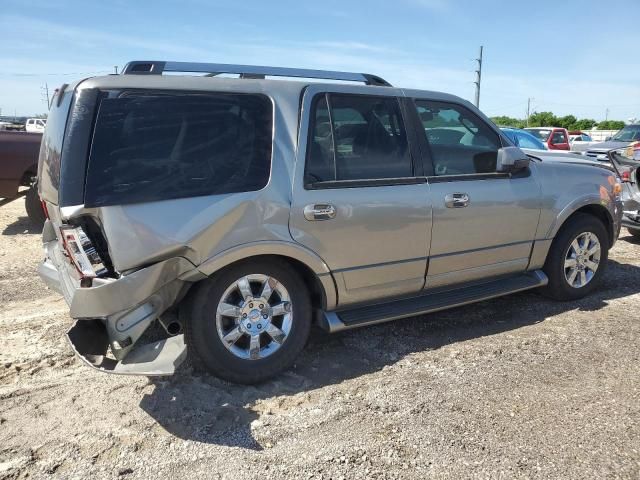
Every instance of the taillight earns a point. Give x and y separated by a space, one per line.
81 252
626 177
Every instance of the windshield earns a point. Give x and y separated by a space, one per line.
630 133
541 134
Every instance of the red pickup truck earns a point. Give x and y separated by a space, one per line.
555 138
18 168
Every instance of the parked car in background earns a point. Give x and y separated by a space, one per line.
627 138
580 141
523 139
35 125
533 146
555 138
578 136
242 210
18 168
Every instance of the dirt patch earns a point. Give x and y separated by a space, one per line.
517 387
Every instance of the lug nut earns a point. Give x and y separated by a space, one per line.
251 305
259 326
244 315
265 316
261 306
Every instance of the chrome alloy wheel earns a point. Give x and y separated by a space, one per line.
582 259
254 316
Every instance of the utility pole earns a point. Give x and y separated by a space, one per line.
606 115
528 109
45 92
478 78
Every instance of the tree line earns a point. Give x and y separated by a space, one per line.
548 119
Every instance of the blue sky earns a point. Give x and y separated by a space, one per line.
571 57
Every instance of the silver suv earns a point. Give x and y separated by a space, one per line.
237 212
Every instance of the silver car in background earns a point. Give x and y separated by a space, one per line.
236 212
627 138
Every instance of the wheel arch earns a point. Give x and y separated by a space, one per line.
588 206
602 214
308 265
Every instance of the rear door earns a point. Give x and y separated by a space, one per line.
484 222
360 200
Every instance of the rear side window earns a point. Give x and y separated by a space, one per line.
149 147
357 137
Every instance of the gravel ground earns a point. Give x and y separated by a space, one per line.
518 387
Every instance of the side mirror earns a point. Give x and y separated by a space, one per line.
511 159
608 138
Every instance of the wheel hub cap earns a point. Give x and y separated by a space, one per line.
254 317
582 259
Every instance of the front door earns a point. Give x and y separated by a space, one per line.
484 222
361 203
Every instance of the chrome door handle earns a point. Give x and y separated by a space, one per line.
456 200
319 211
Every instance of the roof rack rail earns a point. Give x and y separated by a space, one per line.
147 67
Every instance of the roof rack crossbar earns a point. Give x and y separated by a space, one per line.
146 67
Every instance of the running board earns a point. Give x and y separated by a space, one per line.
430 302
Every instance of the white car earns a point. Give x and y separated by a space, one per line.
580 142
36 125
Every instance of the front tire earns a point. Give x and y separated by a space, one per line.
249 322
577 258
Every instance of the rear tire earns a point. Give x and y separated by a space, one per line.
33 207
285 314
570 265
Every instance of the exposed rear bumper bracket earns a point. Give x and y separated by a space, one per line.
90 342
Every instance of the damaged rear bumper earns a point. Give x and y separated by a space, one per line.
90 342
112 315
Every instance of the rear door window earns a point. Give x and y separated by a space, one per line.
149 147
357 137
